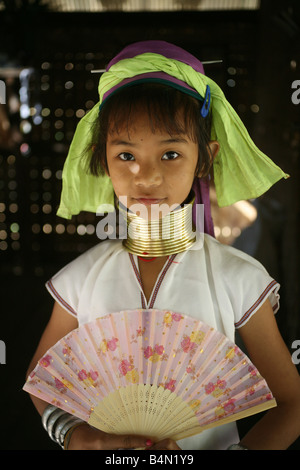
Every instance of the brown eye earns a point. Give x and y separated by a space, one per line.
126 157
170 156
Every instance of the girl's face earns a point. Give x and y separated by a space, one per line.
151 168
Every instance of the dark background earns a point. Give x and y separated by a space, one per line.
261 57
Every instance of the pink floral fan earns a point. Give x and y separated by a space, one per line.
150 372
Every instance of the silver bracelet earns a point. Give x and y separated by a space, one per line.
57 423
46 414
66 430
52 421
60 425
237 447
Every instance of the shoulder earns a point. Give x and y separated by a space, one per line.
96 254
246 281
68 284
229 258
77 271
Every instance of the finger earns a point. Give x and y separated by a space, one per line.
114 441
165 444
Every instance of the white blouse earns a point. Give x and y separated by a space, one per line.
212 282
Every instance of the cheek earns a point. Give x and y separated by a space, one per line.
121 180
134 168
183 177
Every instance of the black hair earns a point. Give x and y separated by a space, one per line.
167 108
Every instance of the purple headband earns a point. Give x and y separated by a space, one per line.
200 185
158 47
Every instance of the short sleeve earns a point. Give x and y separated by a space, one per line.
271 292
66 285
249 286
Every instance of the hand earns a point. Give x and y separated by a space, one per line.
85 437
166 444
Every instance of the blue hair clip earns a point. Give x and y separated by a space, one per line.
206 103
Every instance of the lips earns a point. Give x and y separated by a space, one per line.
148 201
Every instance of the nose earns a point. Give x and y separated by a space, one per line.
148 175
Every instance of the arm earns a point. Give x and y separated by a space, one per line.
280 426
60 324
84 436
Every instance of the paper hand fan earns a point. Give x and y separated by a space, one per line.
150 372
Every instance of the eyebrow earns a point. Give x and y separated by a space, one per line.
122 142
174 140
165 141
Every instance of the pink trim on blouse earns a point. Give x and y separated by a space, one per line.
255 305
158 284
60 299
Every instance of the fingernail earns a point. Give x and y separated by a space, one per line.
148 442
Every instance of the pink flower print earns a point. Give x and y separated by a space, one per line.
46 360
269 396
125 367
148 352
215 388
58 384
159 349
250 391
140 331
186 344
170 385
221 384
219 388
169 317
154 354
112 344
191 369
253 371
209 388
157 353
82 375
176 316
229 406
67 351
93 374
56 403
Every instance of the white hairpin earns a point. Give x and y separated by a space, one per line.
212 62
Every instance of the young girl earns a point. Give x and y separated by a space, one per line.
162 125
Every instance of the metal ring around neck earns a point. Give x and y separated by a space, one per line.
170 234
